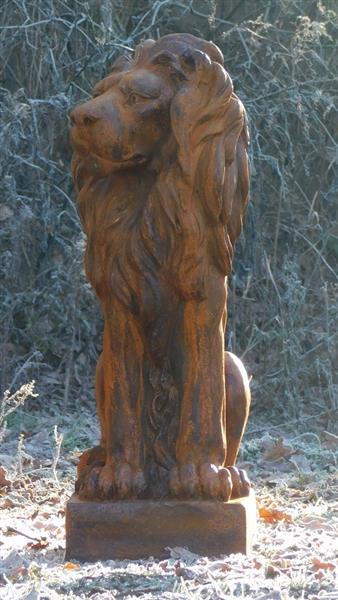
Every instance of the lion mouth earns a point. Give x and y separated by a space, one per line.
100 166
96 159
131 161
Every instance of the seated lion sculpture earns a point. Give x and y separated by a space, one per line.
161 172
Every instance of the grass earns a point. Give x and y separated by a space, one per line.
294 554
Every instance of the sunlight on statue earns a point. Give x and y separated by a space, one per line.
161 172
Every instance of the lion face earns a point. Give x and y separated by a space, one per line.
170 114
126 122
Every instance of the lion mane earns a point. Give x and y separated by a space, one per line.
193 210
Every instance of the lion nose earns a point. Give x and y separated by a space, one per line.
83 115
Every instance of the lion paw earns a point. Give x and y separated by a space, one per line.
240 483
91 457
110 482
208 481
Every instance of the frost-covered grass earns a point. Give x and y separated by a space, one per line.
294 555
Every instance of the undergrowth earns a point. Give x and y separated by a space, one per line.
284 291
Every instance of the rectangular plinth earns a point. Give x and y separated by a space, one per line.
142 528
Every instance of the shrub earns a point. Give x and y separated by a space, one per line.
284 293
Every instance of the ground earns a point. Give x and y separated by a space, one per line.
294 555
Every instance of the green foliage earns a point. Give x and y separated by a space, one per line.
284 294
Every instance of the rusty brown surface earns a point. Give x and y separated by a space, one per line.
161 173
140 528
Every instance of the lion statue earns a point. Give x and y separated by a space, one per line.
160 167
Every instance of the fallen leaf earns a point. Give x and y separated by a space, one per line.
330 440
319 574
275 449
281 563
257 564
7 503
325 566
40 545
184 572
225 567
317 522
4 482
18 572
54 499
271 572
70 566
272 515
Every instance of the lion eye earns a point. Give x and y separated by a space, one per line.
134 97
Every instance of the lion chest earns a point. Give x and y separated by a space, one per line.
116 254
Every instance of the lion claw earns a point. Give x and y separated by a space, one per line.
111 482
208 481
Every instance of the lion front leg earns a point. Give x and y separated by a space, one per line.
201 447
120 475
201 443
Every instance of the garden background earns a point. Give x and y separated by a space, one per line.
283 293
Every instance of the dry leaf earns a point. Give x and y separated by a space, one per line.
39 545
18 572
70 566
272 515
275 449
281 563
317 522
257 564
4 482
184 572
319 574
325 566
225 567
330 440
7 503
271 572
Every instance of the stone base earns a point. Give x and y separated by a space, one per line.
142 528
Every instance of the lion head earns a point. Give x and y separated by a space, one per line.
166 132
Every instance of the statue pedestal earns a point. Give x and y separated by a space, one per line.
141 528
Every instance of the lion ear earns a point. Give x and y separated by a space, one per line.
142 51
122 63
